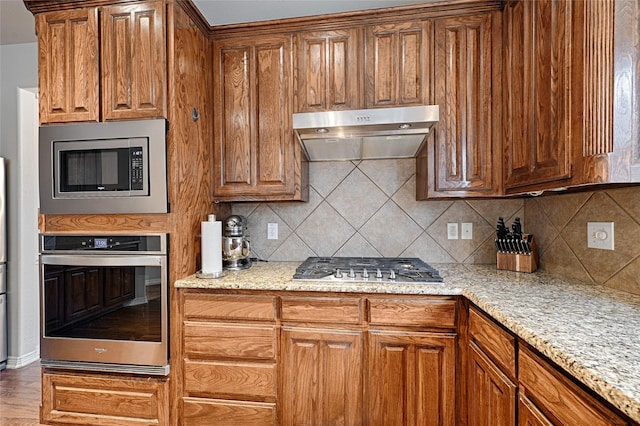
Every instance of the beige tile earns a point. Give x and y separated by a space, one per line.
257 226
485 254
390 230
424 213
358 246
460 212
389 175
602 264
427 249
324 176
293 249
492 209
242 209
325 231
628 279
538 224
561 208
357 198
559 259
294 213
628 199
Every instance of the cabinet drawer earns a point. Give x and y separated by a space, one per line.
219 379
557 396
323 310
496 342
438 313
211 306
208 340
202 412
71 398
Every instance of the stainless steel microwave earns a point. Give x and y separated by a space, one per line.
112 167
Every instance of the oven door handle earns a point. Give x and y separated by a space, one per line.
102 260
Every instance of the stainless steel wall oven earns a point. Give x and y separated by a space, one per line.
104 302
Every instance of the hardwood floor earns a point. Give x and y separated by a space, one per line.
20 396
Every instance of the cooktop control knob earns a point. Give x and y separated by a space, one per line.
378 274
365 274
338 274
351 273
392 275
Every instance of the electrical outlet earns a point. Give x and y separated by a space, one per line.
600 235
452 231
467 231
272 231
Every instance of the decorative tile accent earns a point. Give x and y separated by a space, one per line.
389 175
357 198
369 208
391 230
325 231
560 226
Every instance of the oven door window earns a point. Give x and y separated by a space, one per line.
103 302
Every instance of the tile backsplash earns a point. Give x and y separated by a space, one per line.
560 225
368 208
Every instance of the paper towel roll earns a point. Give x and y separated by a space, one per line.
211 250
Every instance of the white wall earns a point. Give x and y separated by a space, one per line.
19 69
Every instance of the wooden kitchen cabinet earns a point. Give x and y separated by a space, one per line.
411 358
83 293
327 70
125 74
546 390
322 360
69 397
256 155
491 374
68 64
538 82
133 61
397 64
229 347
463 157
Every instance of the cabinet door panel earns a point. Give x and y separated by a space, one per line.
68 65
326 71
465 158
491 394
538 79
397 64
530 415
411 378
322 376
133 61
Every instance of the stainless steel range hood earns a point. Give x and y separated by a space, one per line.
397 132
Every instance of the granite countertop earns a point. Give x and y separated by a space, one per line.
593 332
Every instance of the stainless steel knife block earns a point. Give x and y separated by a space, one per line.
519 261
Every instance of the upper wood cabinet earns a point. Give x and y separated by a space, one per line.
68 64
256 155
327 70
397 64
537 92
463 155
121 67
133 59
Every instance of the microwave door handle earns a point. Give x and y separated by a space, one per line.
103 260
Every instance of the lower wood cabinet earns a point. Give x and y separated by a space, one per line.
410 378
321 376
70 398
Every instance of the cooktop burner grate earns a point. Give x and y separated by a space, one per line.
367 269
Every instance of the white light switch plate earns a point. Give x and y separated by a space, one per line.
272 231
452 231
600 235
467 231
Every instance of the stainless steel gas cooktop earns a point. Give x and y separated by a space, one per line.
401 270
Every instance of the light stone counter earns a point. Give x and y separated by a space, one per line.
591 331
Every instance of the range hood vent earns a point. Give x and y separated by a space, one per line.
365 134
